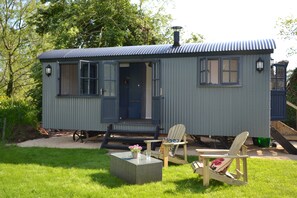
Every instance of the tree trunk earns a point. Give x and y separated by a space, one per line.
9 89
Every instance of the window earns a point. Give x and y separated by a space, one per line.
88 78
219 71
68 79
74 80
278 78
109 79
230 71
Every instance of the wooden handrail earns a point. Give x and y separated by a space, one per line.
292 105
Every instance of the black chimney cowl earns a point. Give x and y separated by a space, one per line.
176 30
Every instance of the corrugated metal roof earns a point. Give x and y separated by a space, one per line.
189 48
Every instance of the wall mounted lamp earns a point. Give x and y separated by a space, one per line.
48 70
259 65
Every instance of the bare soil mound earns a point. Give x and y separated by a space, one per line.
22 133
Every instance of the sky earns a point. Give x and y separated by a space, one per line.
228 20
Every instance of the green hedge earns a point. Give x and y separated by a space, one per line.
292 97
16 113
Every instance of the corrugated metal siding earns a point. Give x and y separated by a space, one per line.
69 112
216 110
189 48
203 110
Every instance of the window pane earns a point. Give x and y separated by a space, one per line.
106 88
226 65
156 79
280 84
234 65
273 84
112 72
107 71
273 72
226 77
213 67
69 79
203 72
93 86
203 77
109 88
281 72
84 70
233 77
93 70
112 88
202 65
84 86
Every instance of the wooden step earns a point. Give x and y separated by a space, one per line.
133 136
128 139
283 141
114 131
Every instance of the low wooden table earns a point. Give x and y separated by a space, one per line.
135 171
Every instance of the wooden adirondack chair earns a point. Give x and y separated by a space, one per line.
176 136
218 168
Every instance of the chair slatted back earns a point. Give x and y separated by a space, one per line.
177 132
222 164
238 142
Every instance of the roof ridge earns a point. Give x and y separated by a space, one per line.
162 49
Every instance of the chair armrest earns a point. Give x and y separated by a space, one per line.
224 156
212 150
174 143
152 141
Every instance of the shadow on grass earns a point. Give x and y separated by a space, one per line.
195 185
55 157
106 179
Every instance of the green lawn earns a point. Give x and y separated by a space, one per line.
46 172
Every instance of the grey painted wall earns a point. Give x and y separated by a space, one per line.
216 110
204 110
68 112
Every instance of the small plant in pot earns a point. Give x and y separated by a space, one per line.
135 150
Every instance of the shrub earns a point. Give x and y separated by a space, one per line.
292 97
16 113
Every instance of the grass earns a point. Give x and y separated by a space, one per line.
48 172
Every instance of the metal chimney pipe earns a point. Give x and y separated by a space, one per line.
176 39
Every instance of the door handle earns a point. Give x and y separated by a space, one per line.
102 91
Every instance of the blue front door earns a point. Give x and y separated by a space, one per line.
132 91
278 91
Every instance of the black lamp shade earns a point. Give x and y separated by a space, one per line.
48 70
259 65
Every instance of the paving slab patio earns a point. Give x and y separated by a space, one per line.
66 141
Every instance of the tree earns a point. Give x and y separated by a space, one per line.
195 38
104 23
288 30
19 46
292 97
